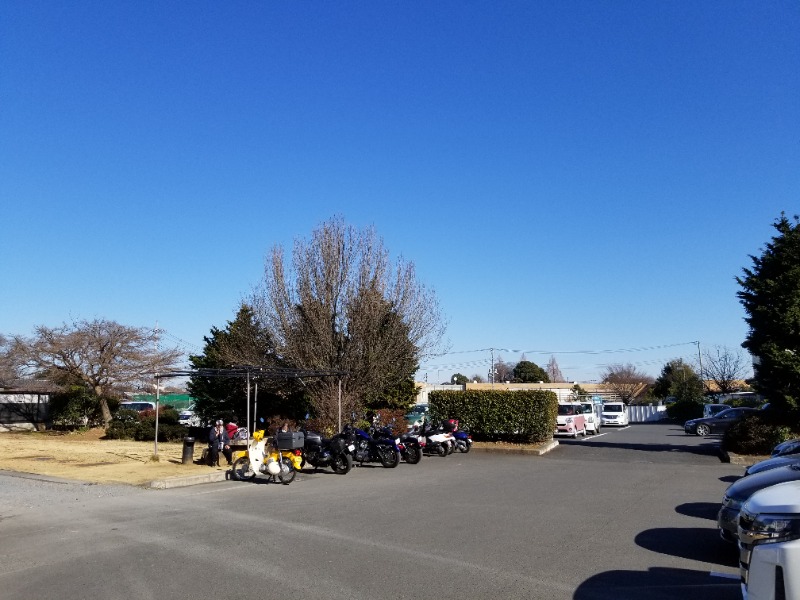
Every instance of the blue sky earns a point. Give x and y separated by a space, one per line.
570 177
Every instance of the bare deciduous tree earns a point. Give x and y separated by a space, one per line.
725 367
626 380
553 371
105 356
341 305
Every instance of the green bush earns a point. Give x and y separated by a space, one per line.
77 407
141 426
757 435
683 410
522 416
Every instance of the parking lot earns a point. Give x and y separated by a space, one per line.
626 514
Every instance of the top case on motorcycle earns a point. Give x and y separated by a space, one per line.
290 440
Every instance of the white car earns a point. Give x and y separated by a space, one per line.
593 412
188 418
769 543
615 413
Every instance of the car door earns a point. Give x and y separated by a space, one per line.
720 424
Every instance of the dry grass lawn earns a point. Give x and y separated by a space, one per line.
85 456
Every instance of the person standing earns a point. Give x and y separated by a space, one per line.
219 441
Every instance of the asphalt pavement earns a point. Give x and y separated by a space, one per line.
627 514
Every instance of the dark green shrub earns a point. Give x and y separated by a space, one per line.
76 407
755 435
683 410
522 416
141 426
124 425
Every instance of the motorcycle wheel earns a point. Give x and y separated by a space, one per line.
342 463
464 447
451 447
389 458
441 450
289 477
413 455
241 469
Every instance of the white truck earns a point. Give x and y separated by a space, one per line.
769 543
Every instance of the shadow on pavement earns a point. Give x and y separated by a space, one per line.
695 543
701 510
658 583
730 478
706 449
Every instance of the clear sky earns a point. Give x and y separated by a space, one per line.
570 177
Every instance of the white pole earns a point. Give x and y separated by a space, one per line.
155 441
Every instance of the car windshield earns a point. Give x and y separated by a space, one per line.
565 409
612 408
587 408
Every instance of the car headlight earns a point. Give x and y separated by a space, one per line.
731 503
770 529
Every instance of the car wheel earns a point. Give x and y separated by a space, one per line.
703 430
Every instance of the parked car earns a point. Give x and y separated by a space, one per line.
593 411
786 448
739 491
418 412
718 423
772 463
615 413
188 418
570 419
769 543
709 410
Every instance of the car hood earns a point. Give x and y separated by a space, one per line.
749 485
782 499
773 463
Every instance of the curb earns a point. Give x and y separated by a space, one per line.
176 482
536 451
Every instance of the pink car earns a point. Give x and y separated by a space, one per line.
570 419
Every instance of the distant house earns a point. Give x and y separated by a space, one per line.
24 404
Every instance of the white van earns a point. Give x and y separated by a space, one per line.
615 413
593 411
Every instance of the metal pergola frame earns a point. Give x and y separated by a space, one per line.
250 372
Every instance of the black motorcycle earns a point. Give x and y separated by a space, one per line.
373 449
407 443
333 452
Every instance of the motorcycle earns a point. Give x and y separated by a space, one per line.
463 440
462 437
371 449
335 452
408 444
437 440
280 461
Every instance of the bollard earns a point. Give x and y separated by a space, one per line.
188 451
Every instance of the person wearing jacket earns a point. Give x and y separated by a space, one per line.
219 441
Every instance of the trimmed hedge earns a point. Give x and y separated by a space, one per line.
521 416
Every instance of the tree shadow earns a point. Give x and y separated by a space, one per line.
701 510
694 543
658 583
706 449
